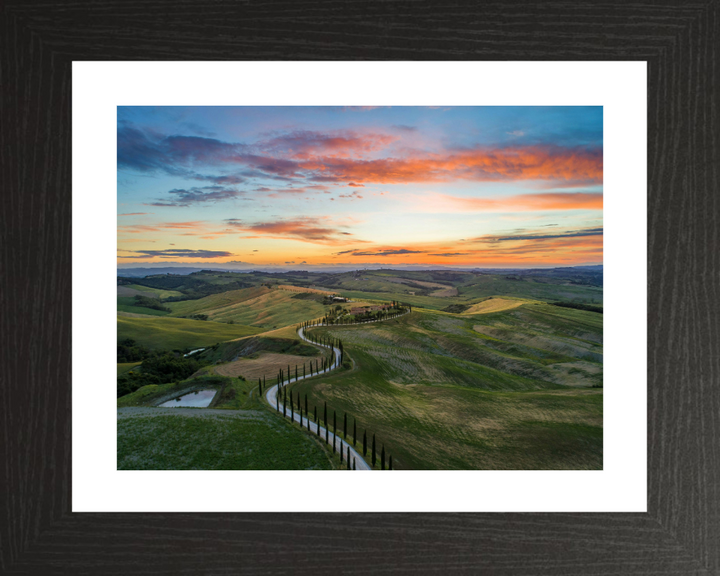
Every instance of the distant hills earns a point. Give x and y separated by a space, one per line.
141 272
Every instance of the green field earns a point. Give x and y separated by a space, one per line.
178 333
439 394
193 439
261 307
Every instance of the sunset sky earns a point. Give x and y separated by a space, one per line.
299 187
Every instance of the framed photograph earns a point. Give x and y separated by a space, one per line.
477 278
414 284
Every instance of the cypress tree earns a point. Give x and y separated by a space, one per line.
364 443
327 430
390 463
260 386
292 412
354 432
374 459
284 402
354 464
316 420
348 458
296 374
325 415
341 450
277 401
382 458
345 427
288 372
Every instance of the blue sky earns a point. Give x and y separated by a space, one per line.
333 186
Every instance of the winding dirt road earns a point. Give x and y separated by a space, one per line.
272 398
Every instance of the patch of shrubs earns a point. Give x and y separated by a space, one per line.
309 296
130 351
152 303
577 306
157 368
456 308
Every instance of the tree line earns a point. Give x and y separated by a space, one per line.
397 309
578 306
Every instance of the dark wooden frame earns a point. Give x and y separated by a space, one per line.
680 534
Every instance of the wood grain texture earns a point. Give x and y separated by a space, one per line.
681 532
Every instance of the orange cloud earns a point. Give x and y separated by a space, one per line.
576 245
518 203
306 230
576 165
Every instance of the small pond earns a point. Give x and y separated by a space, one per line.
197 399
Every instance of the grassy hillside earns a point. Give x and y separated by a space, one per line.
505 390
494 304
261 306
191 439
482 286
135 289
436 289
128 304
178 333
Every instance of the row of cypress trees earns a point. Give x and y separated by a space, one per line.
325 321
326 363
316 367
306 416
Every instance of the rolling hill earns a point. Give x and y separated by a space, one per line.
261 306
440 393
165 333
